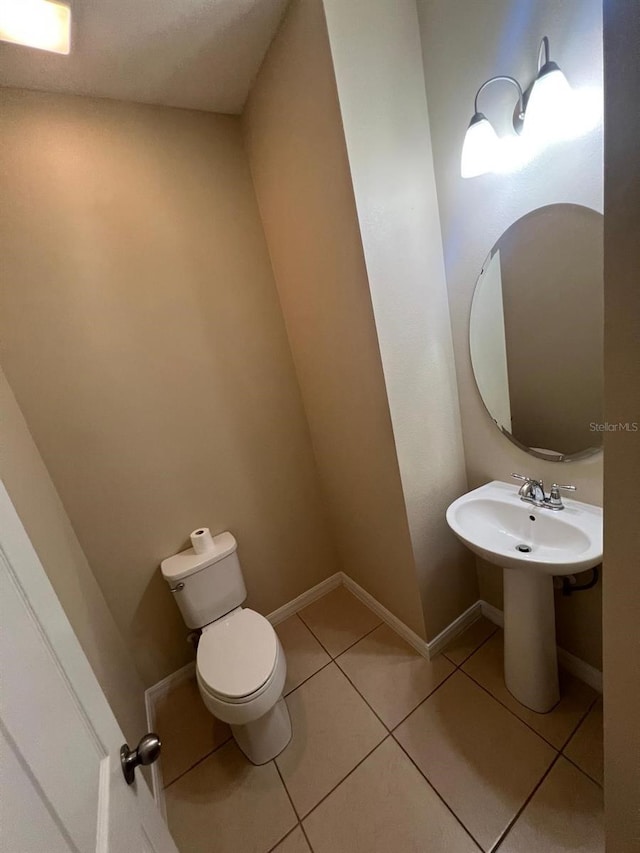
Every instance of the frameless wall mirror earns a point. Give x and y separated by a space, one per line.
536 332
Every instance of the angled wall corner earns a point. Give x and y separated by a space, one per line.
296 147
377 57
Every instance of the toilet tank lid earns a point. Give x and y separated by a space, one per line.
187 562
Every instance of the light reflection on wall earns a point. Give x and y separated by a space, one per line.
584 116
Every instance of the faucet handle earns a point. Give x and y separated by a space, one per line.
528 480
554 500
555 490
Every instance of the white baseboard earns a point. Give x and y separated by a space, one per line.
151 698
581 669
493 614
414 640
305 599
459 624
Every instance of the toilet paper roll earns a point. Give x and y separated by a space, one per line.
202 540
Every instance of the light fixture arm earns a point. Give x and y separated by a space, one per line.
513 82
544 47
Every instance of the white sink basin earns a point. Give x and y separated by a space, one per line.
531 544
494 523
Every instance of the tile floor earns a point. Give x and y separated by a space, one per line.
391 753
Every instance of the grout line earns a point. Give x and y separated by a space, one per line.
370 631
513 820
434 691
390 729
304 832
284 837
471 654
284 785
437 793
328 663
512 712
355 642
308 678
337 785
364 698
580 722
351 645
584 772
199 761
310 630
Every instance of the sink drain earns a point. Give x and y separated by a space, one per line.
524 549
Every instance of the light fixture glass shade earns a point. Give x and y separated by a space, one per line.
550 107
480 148
44 24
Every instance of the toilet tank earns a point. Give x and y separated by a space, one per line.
206 586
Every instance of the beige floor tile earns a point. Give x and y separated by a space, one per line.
465 644
487 668
227 805
333 729
565 814
338 620
392 676
295 842
303 652
385 806
481 759
586 746
187 730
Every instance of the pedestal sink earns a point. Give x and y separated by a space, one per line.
531 544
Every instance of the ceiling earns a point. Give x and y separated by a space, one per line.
197 54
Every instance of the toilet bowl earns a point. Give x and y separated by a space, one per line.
241 670
240 666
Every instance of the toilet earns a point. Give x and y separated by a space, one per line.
240 665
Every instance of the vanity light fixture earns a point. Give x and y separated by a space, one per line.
44 24
541 115
480 149
549 101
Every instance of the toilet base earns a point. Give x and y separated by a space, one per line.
266 737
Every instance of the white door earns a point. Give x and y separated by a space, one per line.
61 785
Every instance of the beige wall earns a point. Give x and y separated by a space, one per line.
300 168
376 51
622 449
143 339
463 45
37 503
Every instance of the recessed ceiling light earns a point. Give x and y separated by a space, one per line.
44 24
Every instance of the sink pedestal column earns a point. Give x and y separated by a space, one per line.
530 656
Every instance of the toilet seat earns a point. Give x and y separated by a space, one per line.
237 657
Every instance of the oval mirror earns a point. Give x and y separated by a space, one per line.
536 332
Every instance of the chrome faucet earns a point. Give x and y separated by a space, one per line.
532 491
